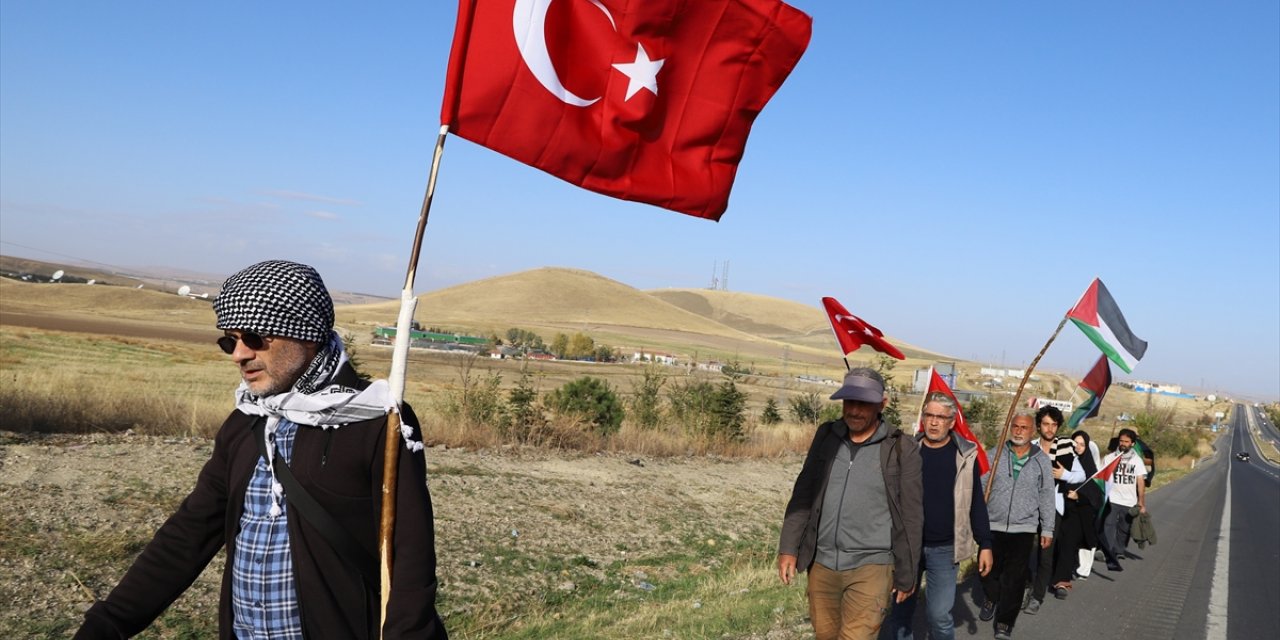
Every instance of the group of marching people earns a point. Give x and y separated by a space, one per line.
879 518
1053 503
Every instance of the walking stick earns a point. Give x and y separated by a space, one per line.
399 363
1008 420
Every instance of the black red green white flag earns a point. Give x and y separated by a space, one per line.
1095 385
1098 316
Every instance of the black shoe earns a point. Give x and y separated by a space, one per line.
1032 608
1121 556
1061 593
988 611
1114 566
1004 632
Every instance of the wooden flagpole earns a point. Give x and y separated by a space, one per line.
399 363
1008 420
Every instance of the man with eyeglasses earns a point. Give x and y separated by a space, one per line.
955 519
1020 502
293 489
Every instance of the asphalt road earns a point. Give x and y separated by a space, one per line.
1195 583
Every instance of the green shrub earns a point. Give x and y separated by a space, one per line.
591 399
646 399
806 408
770 414
986 417
706 410
524 419
1157 429
477 400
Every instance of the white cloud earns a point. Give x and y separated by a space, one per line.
310 197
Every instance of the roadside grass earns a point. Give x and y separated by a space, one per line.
59 382
79 383
709 587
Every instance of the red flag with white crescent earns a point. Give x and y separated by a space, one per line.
852 332
645 100
937 384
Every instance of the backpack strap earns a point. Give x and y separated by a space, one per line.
341 540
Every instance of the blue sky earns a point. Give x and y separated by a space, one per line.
955 173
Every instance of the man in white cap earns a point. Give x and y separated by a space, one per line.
856 516
293 489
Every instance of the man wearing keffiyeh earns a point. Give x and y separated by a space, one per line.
301 404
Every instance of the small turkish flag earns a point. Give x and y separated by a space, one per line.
645 100
852 332
938 385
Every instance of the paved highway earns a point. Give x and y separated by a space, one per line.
1215 572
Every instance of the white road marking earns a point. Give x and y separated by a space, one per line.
1216 624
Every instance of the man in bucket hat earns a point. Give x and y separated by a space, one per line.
856 515
293 489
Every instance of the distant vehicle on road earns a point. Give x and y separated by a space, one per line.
1243 456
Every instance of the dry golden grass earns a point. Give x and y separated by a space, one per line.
105 301
74 382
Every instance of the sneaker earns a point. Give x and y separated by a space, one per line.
988 611
1114 566
1004 632
1078 576
1032 608
1099 555
1061 593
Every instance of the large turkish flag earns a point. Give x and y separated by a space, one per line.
646 100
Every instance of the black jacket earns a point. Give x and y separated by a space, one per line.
342 469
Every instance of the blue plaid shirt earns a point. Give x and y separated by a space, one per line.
264 600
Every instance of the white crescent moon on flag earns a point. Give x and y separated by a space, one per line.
528 21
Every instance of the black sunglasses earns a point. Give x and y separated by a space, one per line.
250 339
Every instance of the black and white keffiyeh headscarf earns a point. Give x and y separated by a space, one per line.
280 298
276 298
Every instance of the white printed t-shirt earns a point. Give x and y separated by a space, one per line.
1122 491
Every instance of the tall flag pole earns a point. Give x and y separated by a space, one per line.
670 91
396 380
1098 316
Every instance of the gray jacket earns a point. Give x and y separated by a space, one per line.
1024 504
900 463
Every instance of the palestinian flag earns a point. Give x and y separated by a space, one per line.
1095 385
1100 319
1103 476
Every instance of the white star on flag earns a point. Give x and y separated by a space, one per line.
641 74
